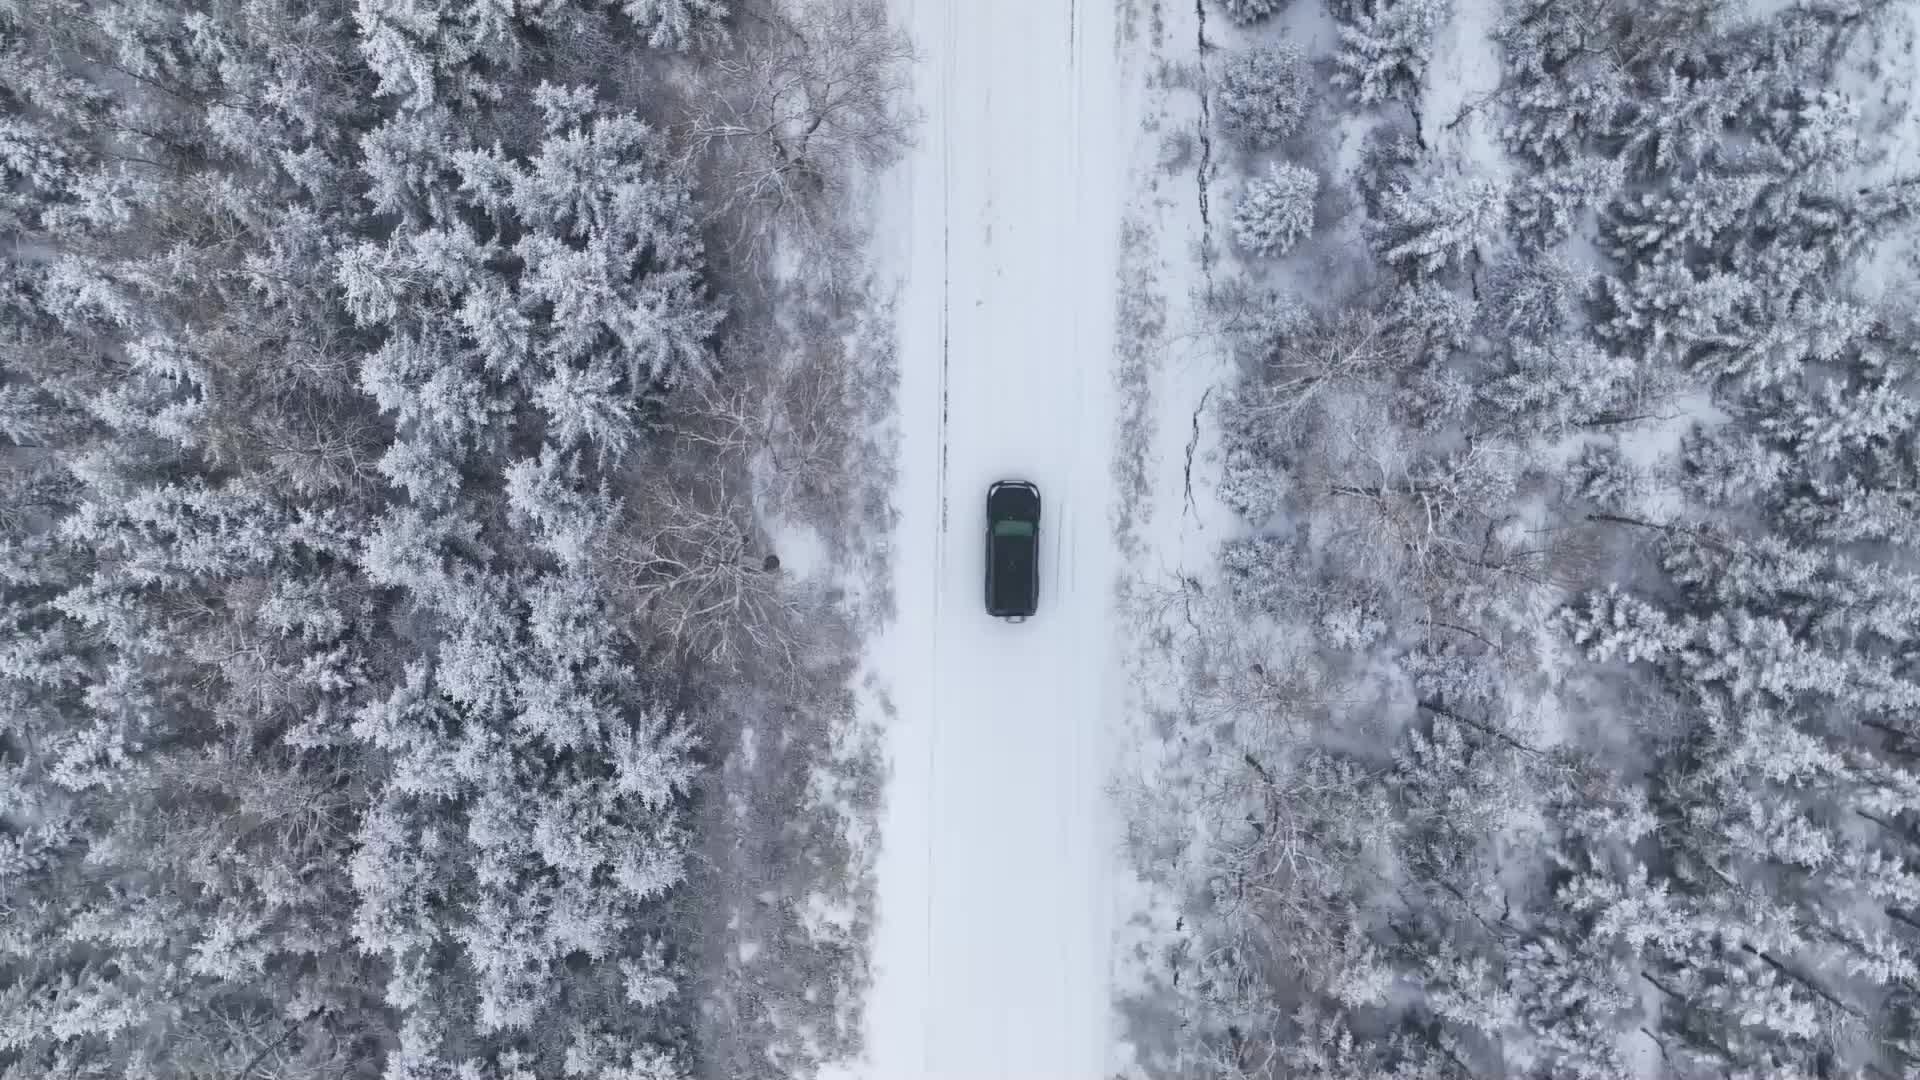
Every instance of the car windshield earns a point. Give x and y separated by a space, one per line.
1013 528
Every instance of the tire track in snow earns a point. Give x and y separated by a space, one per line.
945 106
992 943
1076 167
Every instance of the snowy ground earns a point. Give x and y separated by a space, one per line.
1180 188
993 949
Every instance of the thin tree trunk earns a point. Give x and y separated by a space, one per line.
1662 987
1905 835
1438 709
1900 916
1806 982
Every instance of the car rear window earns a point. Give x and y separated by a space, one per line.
1013 528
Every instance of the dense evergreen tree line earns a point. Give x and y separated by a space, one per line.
1651 805
343 673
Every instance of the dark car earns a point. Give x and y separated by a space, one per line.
1013 549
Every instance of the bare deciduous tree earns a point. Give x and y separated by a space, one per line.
1355 346
725 416
688 558
811 428
812 91
787 397
1286 843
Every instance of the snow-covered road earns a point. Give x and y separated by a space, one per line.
992 954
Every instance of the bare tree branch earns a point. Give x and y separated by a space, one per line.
813 92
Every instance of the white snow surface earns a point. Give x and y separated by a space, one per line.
993 949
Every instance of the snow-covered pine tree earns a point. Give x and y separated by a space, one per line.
1388 156
568 517
1548 205
1384 51
308 772
1565 95
676 24
1792 331
1535 297
1819 423
1555 387
1463 795
1614 624
1430 222
1262 95
1881 505
1677 314
1723 467
1606 478
1251 11
1263 575
1275 211
599 205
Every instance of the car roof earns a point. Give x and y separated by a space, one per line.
1015 499
1013 573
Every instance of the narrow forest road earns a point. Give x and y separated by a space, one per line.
992 954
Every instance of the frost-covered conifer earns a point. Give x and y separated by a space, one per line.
1693 220
1554 387
1549 205
181 535
1437 395
675 24
1442 318
1563 91
652 759
601 206
1535 297
1849 510
1793 332
1430 222
1388 156
1605 477
1251 11
1262 95
1832 419
1724 467
1322 1045
587 406
649 978
1384 51
1358 975
1254 480
1262 574
161 394
1759 657
1461 797
1672 312
1275 212
1613 624
1469 992
567 514
406 161
395 41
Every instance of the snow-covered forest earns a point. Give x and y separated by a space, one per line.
1550 712
389 398
445 479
